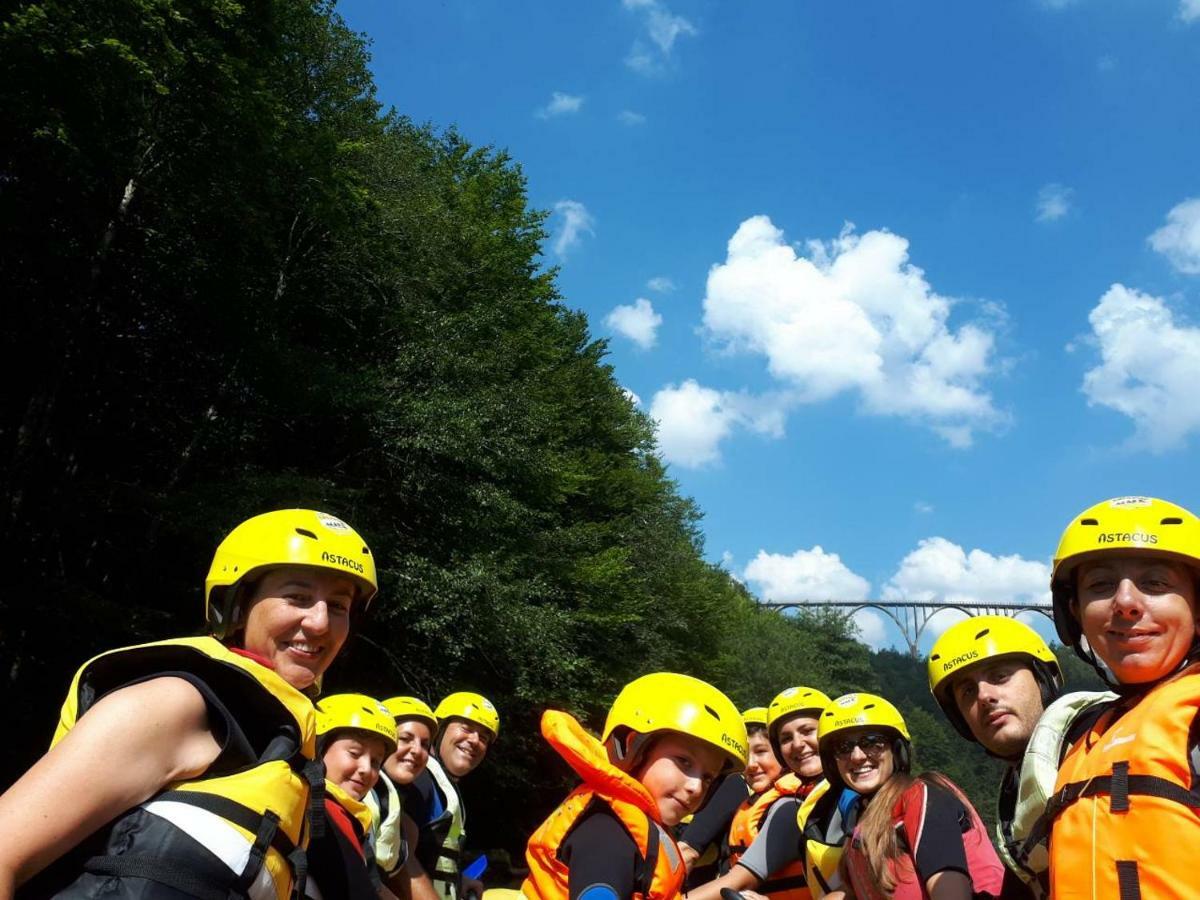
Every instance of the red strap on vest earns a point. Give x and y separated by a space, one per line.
345 824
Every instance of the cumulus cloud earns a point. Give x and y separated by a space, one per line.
629 117
663 28
692 420
1053 202
576 221
852 315
1179 239
940 571
560 105
1149 366
661 283
1189 10
638 322
814 575
631 396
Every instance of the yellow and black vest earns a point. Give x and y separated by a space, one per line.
238 830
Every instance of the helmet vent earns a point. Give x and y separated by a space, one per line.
869 706
712 712
366 552
1089 522
1172 520
982 633
306 533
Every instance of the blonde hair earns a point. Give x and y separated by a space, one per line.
878 837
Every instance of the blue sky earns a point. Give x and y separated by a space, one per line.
906 285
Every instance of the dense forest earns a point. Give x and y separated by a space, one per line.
237 283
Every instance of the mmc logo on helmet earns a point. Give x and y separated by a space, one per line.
342 561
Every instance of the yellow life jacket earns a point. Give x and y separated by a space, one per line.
662 871
789 882
1126 807
239 829
450 831
825 833
387 834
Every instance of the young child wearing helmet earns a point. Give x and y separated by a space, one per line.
198 736
999 684
765 838
396 834
355 734
704 837
912 836
468 724
1125 818
665 741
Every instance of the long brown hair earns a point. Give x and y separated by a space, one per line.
878 837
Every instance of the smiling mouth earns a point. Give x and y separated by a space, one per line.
304 649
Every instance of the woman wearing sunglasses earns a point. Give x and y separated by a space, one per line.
914 836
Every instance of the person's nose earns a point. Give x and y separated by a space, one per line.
1128 600
987 692
316 618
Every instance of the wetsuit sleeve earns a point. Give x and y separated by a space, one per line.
941 841
418 798
778 843
712 822
601 858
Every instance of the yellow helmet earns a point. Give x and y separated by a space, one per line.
355 712
855 711
1141 525
970 642
285 537
472 707
755 715
665 701
788 704
407 709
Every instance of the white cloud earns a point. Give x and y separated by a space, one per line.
922 507
1189 10
576 222
1149 366
661 283
638 322
855 315
629 117
692 420
663 29
815 575
940 571
631 396
1179 239
1053 202
560 105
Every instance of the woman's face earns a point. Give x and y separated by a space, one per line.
762 768
1137 613
864 758
352 762
798 744
412 752
298 619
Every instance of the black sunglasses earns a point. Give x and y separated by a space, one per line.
871 744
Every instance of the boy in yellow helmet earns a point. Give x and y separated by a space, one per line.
355 734
666 739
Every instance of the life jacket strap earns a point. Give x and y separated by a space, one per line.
645 874
173 874
1120 786
791 883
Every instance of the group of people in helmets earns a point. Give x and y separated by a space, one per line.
212 767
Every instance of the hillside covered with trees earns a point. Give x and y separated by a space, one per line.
237 283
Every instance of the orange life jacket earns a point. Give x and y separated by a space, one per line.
789 882
662 872
908 815
1126 806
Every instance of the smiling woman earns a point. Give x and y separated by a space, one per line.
913 836
1125 586
208 743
